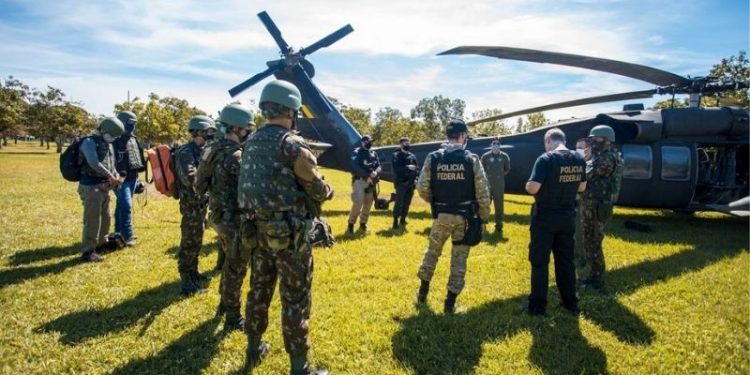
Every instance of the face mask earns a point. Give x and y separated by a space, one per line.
108 138
406 147
210 135
130 127
243 138
581 152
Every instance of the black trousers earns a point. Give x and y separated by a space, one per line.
552 232
404 193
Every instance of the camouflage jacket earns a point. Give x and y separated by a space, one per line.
224 170
481 184
187 159
603 175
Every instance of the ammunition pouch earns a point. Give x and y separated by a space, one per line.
275 232
248 238
321 233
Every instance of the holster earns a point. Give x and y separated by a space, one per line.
473 228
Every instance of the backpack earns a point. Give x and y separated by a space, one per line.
161 159
70 163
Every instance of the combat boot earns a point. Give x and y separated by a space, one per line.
362 227
234 320
300 366
350 229
199 278
403 221
395 223
424 288
256 350
188 286
220 261
450 303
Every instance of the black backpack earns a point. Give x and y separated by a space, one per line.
70 163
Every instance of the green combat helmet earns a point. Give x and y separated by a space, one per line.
125 116
603 131
112 126
200 122
456 127
237 116
282 92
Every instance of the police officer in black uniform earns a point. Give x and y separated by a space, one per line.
365 175
557 176
405 167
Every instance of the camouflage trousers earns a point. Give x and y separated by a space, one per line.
594 216
579 250
497 195
192 225
443 227
96 218
294 270
235 265
361 202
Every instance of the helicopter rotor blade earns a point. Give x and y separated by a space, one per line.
236 90
274 31
641 72
327 41
571 103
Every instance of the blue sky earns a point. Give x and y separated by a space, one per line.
98 50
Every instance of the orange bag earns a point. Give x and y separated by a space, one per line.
161 159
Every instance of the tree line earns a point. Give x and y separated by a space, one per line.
49 116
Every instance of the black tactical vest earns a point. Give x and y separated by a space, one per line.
451 179
267 180
104 154
129 157
565 172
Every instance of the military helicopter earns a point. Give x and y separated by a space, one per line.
683 159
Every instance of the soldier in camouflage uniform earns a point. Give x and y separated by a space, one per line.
280 184
192 206
496 165
452 178
583 149
604 174
221 163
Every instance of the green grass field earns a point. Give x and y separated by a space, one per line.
678 298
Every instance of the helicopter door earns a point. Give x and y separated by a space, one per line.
658 175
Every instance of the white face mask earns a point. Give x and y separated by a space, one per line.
108 138
581 152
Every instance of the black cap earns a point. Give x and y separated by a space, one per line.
456 127
404 139
366 138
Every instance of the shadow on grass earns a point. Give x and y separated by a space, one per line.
189 354
439 344
418 215
36 255
82 325
17 275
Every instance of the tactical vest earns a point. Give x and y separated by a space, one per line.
131 158
267 181
565 172
223 187
104 154
451 179
606 188
195 150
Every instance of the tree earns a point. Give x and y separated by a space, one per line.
734 69
161 119
360 118
671 103
13 104
535 120
435 112
490 128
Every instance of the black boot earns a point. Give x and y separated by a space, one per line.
188 286
256 350
424 288
363 227
403 221
300 366
395 223
450 303
91 256
350 229
234 320
199 278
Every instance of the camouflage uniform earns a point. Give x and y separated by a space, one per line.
278 179
496 166
192 207
604 174
223 165
448 225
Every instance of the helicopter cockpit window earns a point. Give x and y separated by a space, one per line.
675 163
637 162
